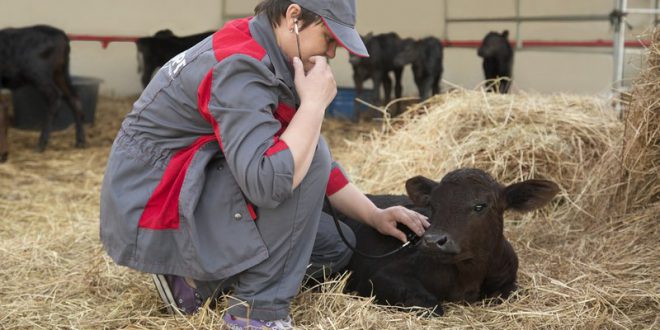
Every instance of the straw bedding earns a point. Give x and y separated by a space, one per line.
589 260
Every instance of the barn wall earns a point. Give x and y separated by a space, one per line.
539 70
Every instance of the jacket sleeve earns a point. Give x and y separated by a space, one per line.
338 178
242 99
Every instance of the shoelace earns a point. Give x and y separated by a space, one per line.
280 324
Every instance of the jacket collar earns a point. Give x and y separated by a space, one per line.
262 32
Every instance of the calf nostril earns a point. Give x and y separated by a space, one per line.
441 241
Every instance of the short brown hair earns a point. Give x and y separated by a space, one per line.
276 9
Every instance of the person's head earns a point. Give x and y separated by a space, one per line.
322 24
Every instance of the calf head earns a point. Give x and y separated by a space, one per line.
362 66
467 208
494 44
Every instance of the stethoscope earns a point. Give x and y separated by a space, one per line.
412 238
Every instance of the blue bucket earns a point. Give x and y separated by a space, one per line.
344 105
30 106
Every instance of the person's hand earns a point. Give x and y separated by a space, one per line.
385 220
318 87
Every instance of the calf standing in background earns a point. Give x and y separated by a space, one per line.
382 50
498 60
426 58
155 51
463 256
38 56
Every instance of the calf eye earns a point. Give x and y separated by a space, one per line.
480 207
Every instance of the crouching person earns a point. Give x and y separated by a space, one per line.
216 178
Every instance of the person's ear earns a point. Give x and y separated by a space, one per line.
292 13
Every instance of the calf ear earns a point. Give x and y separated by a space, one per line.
505 33
530 195
419 190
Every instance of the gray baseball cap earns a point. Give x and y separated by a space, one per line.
339 17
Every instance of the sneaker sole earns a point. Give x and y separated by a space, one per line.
164 292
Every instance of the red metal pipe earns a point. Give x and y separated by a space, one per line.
104 40
548 43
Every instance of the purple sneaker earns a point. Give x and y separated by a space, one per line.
177 294
239 323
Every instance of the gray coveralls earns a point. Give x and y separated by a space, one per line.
198 183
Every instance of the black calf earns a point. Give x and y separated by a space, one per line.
463 256
155 51
426 58
498 60
382 50
38 56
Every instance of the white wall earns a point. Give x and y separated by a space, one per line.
117 64
539 70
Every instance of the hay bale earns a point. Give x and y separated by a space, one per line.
641 150
572 140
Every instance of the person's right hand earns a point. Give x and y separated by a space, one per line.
318 87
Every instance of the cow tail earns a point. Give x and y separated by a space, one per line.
67 72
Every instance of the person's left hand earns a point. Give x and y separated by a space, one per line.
385 220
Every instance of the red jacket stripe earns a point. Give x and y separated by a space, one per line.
336 181
235 38
162 209
278 145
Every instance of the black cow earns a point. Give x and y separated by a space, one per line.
498 60
426 58
377 67
463 256
38 56
155 51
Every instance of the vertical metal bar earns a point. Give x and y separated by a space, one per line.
656 20
518 21
446 32
619 45
223 8
619 52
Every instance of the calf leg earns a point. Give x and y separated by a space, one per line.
426 88
387 87
4 128
64 83
398 87
398 90
436 84
49 91
377 79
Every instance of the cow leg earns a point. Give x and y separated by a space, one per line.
377 80
505 83
398 87
398 91
504 72
387 87
427 83
49 91
436 84
4 128
63 81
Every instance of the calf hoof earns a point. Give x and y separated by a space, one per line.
81 144
3 157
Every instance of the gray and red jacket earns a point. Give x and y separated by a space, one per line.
199 154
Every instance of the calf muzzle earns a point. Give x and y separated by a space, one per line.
440 242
